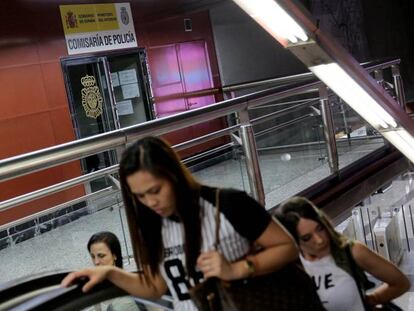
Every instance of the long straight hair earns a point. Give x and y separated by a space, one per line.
290 213
155 156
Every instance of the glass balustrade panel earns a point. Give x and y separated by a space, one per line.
292 153
355 138
226 168
58 240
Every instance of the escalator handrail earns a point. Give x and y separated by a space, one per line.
55 297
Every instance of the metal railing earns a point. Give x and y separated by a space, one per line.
89 196
42 159
49 157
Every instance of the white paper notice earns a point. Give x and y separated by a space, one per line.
124 107
114 79
130 90
128 76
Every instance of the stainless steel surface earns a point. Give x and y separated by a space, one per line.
285 103
328 130
95 195
267 82
283 125
282 112
383 64
208 152
207 137
316 143
116 184
252 158
108 80
399 86
56 155
41 159
299 88
228 91
379 77
49 157
27 197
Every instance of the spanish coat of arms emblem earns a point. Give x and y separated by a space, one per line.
124 16
91 97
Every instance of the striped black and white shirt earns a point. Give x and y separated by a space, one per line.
242 221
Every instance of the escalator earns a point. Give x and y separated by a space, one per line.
45 293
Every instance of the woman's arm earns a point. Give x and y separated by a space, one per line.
395 282
133 283
278 250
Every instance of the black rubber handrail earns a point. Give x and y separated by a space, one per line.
54 297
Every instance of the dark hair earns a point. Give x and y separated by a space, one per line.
290 212
111 241
155 156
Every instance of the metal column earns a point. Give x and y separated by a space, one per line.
398 85
252 159
328 129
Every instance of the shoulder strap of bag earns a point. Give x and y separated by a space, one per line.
354 268
217 219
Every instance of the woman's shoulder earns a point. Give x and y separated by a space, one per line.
358 249
227 195
240 210
363 256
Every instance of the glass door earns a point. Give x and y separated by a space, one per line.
91 109
130 83
106 93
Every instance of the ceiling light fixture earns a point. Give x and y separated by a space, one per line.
290 24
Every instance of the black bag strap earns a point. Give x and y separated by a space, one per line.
361 288
217 219
354 268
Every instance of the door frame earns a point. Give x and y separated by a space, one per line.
144 78
102 60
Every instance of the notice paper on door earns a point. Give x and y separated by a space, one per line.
124 107
128 76
114 79
130 90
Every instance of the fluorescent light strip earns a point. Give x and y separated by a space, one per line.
282 27
403 141
353 94
274 19
408 139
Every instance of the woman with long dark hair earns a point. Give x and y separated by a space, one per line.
171 218
337 264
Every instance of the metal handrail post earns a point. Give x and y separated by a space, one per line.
328 129
379 77
251 155
398 85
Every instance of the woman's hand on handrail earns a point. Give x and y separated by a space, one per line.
133 283
94 275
